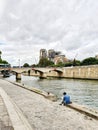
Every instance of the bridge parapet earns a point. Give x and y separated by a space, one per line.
80 72
43 70
20 70
1 69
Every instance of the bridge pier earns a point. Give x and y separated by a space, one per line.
18 76
43 75
28 72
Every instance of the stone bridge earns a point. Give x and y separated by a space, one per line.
77 72
80 72
42 71
17 71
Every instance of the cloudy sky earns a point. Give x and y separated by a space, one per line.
69 26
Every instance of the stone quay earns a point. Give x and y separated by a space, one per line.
33 111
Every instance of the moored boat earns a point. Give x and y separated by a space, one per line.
6 74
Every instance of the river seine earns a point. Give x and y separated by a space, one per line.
83 92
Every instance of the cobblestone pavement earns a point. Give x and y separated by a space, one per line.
44 114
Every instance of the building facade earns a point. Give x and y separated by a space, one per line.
43 53
60 58
53 55
96 56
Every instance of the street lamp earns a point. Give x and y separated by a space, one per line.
19 62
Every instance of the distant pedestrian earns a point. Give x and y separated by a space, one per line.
66 99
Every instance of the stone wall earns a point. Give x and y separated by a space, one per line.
81 72
84 72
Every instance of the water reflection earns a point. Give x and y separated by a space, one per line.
84 92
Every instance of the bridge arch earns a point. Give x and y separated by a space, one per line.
19 71
42 74
59 71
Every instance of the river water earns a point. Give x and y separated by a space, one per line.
83 92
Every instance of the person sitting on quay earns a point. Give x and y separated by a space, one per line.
66 99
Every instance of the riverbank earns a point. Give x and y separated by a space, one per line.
44 114
83 109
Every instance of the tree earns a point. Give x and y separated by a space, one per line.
45 62
60 64
76 62
68 64
26 65
4 62
89 61
0 52
0 55
0 60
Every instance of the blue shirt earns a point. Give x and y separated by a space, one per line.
66 99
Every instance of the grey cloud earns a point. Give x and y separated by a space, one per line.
1 43
29 25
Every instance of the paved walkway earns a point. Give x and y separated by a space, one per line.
43 114
5 122
14 119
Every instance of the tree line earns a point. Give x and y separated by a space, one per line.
3 61
44 62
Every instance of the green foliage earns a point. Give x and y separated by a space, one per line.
26 65
60 64
69 64
34 65
0 60
0 52
76 62
89 61
44 62
3 61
